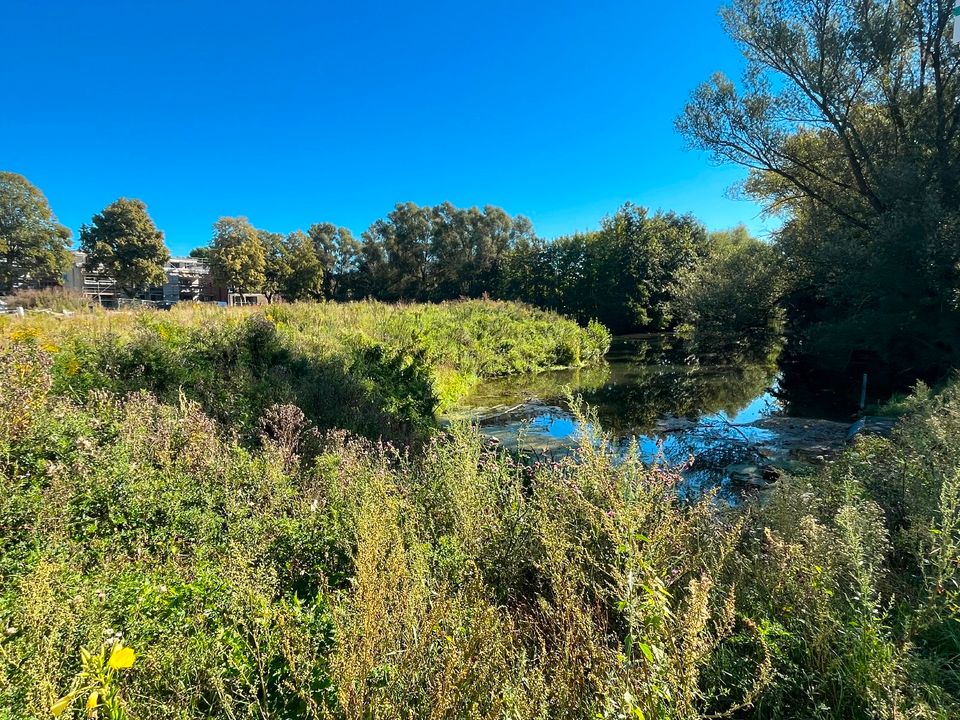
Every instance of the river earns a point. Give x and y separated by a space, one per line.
719 415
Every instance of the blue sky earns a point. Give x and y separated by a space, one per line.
297 112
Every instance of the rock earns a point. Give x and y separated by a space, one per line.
871 425
670 424
770 473
807 440
747 474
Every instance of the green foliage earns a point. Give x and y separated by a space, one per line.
305 274
848 118
378 370
292 268
338 254
33 245
437 253
733 290
237 256
623 275
123 240
303 574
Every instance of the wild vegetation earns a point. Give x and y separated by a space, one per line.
379 370
214 513
290 571
848 120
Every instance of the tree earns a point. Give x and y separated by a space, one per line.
528 272
346 265
276 268
467 247
338 254
734 289
437 253
404 238
637 258
622 275
292 268
848 119
33 245
305 273
237 256
124 241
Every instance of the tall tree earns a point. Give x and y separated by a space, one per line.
733 290
622 274
305 273
123 240
338 254
467 247
346 265
33 245
848 119
237 256
404 238
276 267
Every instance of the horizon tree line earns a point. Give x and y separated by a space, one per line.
626 274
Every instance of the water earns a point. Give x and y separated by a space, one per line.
716 414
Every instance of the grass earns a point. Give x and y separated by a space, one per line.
54 299
379 370
302 572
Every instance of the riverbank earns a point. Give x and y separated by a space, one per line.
679 400
381 370
292 572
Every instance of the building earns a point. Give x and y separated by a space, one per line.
188 279
94 285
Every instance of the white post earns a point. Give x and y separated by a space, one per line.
956 22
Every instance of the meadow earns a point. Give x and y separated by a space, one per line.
194 524
376 369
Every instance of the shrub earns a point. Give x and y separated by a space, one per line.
299 572
56 299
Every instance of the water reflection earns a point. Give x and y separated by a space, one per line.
646 380
678 399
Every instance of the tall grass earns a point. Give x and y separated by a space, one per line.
299 572
380 370
53 299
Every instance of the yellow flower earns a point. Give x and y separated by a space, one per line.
121 657
92 702
24 334
62 704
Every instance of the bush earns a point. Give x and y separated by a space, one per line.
379 370
56 299
297 572
734 290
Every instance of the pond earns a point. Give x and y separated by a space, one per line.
719 415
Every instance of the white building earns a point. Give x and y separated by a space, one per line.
187 279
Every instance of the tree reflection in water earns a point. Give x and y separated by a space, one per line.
677 397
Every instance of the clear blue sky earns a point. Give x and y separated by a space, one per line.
297 112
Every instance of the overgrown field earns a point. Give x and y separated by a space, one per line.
293 572
377 369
